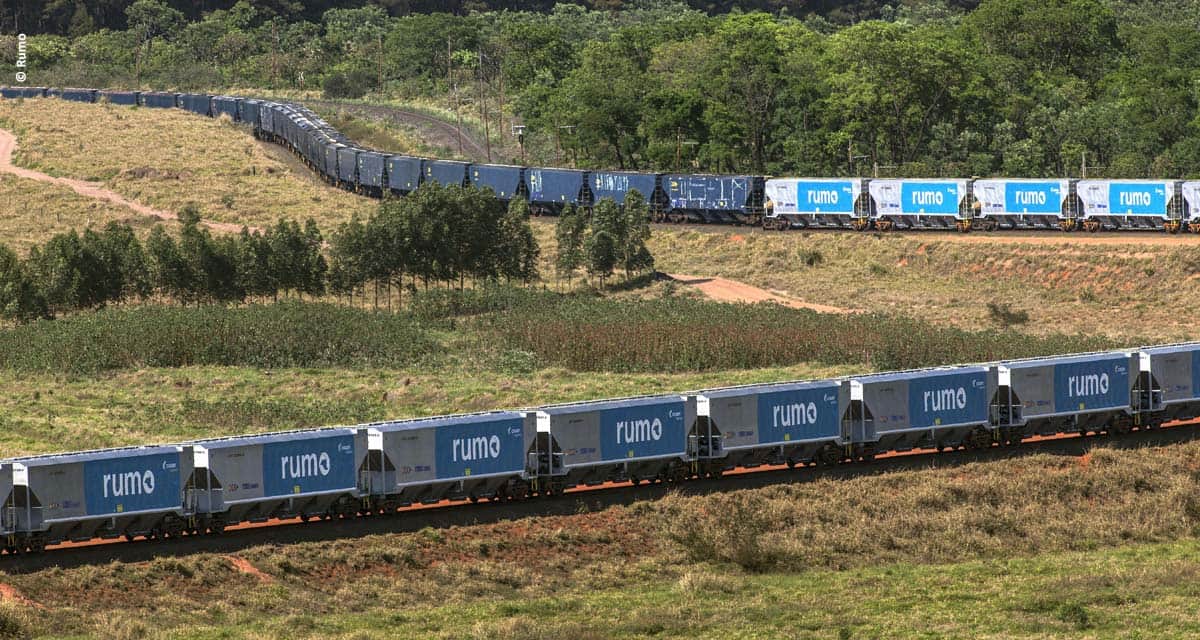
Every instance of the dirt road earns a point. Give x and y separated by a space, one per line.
726 290
8 143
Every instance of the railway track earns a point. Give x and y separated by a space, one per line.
596 498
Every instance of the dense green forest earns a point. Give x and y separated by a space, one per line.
1015 87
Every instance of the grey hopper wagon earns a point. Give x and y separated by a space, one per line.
939 407
642 438
747 426
483 455
1168 384
308 473
1061 394
129 492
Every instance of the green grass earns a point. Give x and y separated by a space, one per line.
679 334
288 334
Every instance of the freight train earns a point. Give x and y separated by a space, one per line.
204 486
775 203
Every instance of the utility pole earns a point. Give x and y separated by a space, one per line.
487 139
451 86
379 60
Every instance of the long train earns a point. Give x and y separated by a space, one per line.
204 486
775 203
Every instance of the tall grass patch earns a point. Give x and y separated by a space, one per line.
675 334
288 334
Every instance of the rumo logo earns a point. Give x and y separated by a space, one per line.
795 414
477 448
1030 197
1087 385
305 465
130 483
822 197
945 399
1135 199
928 197
633 431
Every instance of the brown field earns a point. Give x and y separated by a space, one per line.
167 159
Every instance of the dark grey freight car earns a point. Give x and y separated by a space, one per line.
23 92
127 98
372 172
198 103
446 172
348 167
226 106
159 100
503 180
78 95
404 173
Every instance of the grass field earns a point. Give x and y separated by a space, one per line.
166 159
31 212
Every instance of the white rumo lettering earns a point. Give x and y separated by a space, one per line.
304 465
476 448
130 483
1135 199
928 197
795 414
1087 385
634 431
1030 197
945 400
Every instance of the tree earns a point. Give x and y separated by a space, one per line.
569 233
517 248
151 19
636 226
19 298
170 273
602 255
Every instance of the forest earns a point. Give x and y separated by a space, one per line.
929 88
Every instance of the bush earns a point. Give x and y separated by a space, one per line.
679 334
1004 315
289 334
352 84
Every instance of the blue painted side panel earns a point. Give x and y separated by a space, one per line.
554 185
707 193
370 168
929 197
23 92
445 172
825 197
1134 199
347 164
132 483
78 95
1033 197
1096 384
404 173
160 100
1196 374
330 164
309 465
802 414
196 103
480 448
226 106
616 184
947 399
266 117
120 97
642 431
248 111
502 180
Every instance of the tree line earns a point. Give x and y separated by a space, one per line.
434 236
924 88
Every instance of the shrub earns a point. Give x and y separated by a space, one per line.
289 334
679 334
352 84
1004 315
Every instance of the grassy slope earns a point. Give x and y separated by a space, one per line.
167 158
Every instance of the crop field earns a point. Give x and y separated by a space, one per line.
167 159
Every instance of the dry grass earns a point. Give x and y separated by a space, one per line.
166 159
31 212
1125 289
